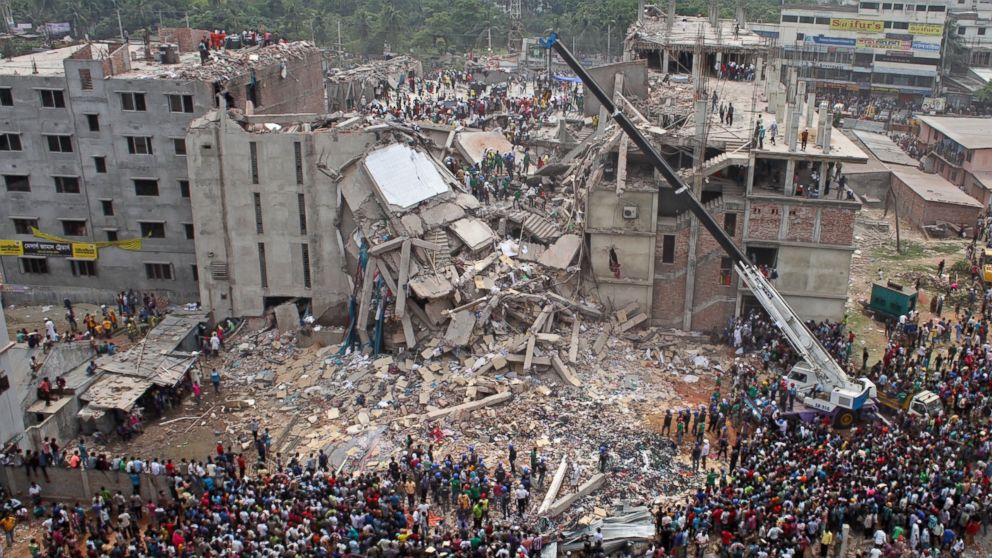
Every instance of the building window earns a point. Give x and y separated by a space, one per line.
152 229
869 5
253 151
195 271
6 97
936 8
93 121
133 102
921 7
726 271
184 188
24 226
897 6
262 273
790 19
258 213
108 207
66 184
85 79
668 248
111 234
961 30
900 25
10 142
730 223
52 98
59 144
822 21
100 164
179 144
886 5
301 204
188 229
34 265
139 145
180 103
74 227
158 270
17 182
807 19
298 155
82 268
968 155
145 187
306 264
981 30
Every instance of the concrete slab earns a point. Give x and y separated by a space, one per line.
561 254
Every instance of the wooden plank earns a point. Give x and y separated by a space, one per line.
564 372
403 279
633 322
573 347
391 244
529 354
554 487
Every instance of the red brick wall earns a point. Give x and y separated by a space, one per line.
837 226
119 60
920 212
974 189
185 37
764 221
802 221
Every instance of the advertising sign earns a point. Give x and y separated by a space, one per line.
76 250
859 25
884 44
926 47
833 41
932 29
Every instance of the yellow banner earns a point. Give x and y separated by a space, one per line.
133 244
83 251
933 29
885 44
11 248
860 25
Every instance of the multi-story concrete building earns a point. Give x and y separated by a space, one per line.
960 150
972 28
94 150
888 49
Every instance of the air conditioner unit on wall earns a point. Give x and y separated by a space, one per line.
630 212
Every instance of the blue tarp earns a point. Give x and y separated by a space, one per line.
570 79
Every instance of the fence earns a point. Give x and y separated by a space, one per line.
72 485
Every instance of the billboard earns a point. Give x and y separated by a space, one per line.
926 47
932 29
859 25
75 250
832 41
884 44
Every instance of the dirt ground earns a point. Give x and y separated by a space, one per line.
876 252
34 316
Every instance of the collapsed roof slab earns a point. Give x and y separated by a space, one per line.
403 176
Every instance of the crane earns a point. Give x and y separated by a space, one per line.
822 385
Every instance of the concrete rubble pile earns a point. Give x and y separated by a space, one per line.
226 64
380 70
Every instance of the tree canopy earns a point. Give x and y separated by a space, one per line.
423 27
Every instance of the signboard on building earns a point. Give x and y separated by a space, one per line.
58 29
932 29
938 104
884 44
926 47
75 250
859 25
833 41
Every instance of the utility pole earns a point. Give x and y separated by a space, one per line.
120 25
489 32
609 33
340 50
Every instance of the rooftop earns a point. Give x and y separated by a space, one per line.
933 187
223 64
970 132
686 30
884 148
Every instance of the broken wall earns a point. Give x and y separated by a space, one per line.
631 239
300 91
635 82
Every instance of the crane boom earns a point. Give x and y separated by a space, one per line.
825 368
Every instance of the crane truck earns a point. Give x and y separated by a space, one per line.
822 386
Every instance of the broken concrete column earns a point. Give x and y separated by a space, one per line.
587 488
664 60
792 127
758 68
800 96
825 132
555 486
790 169
810 108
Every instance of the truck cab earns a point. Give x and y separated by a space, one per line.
924 404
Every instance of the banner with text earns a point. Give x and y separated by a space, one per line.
75 250
860 25
884 44
932 29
